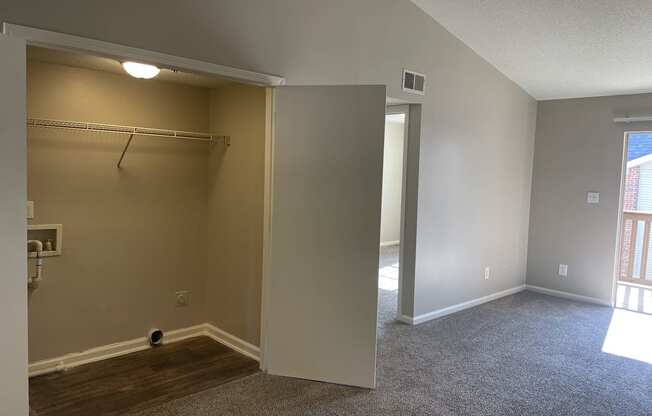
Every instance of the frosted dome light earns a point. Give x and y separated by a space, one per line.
142 71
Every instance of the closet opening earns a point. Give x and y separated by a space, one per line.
145 217
268 245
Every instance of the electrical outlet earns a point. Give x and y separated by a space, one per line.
183 298
487 272
563 270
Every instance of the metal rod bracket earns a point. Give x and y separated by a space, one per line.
122 156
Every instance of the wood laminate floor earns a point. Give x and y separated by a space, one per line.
139 380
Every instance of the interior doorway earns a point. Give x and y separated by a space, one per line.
392 209
634 270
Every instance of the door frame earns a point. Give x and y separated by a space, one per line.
619 223
621 202
265 298
405 110
61 41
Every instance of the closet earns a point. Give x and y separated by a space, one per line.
225 205
153 190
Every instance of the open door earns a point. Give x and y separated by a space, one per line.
13 228
320 296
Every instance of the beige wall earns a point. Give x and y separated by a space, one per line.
131 236
235 204
579 149
390 219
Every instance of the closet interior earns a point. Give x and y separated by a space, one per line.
145 212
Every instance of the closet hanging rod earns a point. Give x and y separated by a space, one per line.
129 130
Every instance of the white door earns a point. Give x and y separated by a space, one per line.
320 296
13 234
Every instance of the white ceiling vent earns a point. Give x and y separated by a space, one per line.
414 82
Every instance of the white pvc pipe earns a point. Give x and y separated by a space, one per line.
39 262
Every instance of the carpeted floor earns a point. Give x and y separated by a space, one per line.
526 354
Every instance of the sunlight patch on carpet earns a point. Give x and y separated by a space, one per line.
629 336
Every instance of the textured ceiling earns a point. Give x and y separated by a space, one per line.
557 48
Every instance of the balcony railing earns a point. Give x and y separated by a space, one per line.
634 265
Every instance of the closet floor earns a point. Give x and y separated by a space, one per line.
139 380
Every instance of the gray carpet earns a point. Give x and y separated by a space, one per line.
527 354
388 256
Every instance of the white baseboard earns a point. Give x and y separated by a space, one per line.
459 307
390 243
126 347
567 295
233 342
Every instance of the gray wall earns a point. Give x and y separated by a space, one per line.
474 189
13 272
472 114
579 149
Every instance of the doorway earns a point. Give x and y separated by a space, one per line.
634 271
392 215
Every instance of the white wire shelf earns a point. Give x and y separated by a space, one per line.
131 131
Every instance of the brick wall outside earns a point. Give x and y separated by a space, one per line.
630 200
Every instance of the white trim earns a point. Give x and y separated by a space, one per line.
117 349
233 342
567 295
62 41
619 221
270 97
405 110
108 351
390 243
639 161
459 307
641 119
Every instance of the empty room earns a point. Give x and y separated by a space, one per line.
352 207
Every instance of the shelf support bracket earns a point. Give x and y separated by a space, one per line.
122 156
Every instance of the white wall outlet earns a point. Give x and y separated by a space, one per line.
563 270
487 273
30 210
593 197
183 298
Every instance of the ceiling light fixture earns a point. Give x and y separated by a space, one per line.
138 70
